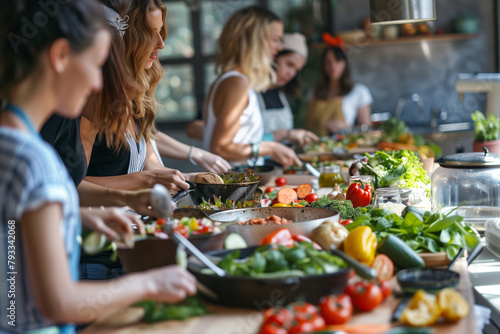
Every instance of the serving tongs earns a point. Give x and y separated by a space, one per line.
162 204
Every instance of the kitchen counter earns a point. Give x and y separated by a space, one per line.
484 275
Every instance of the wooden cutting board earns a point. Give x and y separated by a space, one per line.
225 320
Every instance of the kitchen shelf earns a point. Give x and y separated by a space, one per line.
405 40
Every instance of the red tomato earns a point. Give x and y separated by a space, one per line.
280 181
182 229
270 189
161 221
336 310
303 308
350 288
300 238
346 222
278 316
271 328
306 323
311 198
367 296
279 237
384 267
385 286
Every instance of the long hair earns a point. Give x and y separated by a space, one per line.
138 41
111 109
22 42
292 88
323 86
244 43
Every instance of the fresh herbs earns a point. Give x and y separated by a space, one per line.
281 261
218 205
345 208
422 230
155 311
235 177
401 169
485 129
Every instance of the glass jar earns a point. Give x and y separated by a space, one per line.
385 195
366 179
330 176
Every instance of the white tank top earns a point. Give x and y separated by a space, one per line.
251 129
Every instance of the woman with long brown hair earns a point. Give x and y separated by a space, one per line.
337 103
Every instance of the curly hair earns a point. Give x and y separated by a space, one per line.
138 47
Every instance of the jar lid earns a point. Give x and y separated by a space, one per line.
471 160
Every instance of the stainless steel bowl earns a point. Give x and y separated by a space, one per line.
305 220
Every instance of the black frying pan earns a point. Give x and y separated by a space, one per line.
238 192
263 293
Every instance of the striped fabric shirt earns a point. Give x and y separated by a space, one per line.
31 174
137 154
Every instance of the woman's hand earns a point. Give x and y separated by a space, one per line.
280 153
172 179
110 222
302 137
209 161
170 284
336 126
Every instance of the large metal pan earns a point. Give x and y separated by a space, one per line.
238 192
305 220
263 293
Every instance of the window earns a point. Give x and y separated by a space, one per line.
193 29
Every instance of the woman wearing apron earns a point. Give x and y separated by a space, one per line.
276 112
337 103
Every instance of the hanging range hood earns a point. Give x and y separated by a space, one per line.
383 12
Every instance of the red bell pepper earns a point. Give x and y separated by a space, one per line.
279 237
359 194
300 238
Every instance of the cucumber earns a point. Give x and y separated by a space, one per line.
181 257
400 253
94 243
416 211
234 241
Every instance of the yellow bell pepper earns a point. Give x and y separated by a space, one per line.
422 310
193 224
361 244
453 306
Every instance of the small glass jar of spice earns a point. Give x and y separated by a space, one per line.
330 176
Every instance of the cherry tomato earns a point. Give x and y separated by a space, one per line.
336 310
280 181
304 308
306 323
278 316
182 229
367 296
350 288
270 189
384 267
385 286
271 328
311 198
161 221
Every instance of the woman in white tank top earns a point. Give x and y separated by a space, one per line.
233 121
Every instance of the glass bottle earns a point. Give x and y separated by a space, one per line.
385 195
330 175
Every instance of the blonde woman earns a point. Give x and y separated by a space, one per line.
233 125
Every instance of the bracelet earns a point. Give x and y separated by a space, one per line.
191 156
255 150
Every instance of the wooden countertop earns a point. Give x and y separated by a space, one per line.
225 320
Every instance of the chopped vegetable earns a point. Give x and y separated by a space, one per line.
453 306
286 196
234 241
361 244
330 233
303 190
345 208
422 310
278 237
156 311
